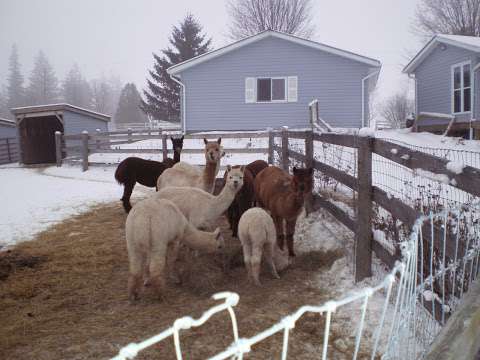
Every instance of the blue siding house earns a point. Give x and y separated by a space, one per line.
7 129
447 86
268 80
37 126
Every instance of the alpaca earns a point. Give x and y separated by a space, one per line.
146 172
153 228
283 195
257 234
183 174
202 208
245 198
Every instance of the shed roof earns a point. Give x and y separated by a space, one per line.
471 43
52 109
6 122
175 69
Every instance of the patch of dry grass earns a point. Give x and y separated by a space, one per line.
74 304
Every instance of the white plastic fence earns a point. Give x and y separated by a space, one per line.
427 278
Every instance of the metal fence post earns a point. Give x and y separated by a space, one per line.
164 147
285 159
58 148
363 211
84 150
8 151
97 140
129 135
271 142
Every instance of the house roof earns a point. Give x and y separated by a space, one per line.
52 109
6 122
471 43
175 69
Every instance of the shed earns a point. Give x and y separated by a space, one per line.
268 80
37 126
7 128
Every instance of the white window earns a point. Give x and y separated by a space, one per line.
461 88
271 89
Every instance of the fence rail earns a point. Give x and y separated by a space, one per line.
9 150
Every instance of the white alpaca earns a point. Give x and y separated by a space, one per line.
258 236
202 208
153 227
184 174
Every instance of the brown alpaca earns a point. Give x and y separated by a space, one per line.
283 195
244 199
184 174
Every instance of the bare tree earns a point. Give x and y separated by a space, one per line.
396 108
249 17
454 17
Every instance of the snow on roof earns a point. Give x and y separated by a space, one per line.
58 108
471 43
7 122
175 69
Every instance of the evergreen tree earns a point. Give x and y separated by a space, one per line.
162 98
4 111
128 110
43 87
15 96
101 96
76 90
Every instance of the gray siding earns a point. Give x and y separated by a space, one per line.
8 131
75 123
476 114
215 89
434 80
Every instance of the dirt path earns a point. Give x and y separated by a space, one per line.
73 304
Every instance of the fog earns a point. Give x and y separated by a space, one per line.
117 37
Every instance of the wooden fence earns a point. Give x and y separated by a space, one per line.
8 150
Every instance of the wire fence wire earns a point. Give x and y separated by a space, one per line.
419 295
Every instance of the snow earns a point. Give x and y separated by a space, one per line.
380 237
394 151
436 115
366 132
468 40
405 157
442 178
455 166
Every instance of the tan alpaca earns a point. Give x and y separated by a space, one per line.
153 227
199 207
184 174
257 234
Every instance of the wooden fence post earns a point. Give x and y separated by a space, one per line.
309 164
271 142
58 148
84 150
129 134
8 151
164 147
285 159
363 211
97 140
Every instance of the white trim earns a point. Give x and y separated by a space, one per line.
175 69
462 88
183 100
256 78
430 46
376 72
39 110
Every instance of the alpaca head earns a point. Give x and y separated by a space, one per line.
213 150
177 144
234 178
302 181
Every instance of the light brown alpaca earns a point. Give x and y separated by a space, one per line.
257 234
202 208
153 228
184 174
283 195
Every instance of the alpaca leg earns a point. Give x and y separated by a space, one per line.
127 193
137 266
247 255
255 262
172 256
279 228
269 248
290 232
157 268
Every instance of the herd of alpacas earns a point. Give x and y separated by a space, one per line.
262 204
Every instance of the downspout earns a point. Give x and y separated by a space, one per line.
414 78
474 97
184 108
363 93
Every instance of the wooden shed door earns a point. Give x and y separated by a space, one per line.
37 138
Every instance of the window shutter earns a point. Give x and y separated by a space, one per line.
292 89
249 90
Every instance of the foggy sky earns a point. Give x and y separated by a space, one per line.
117 37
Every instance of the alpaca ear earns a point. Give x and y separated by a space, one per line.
219 141
205 141
217 233
183 136
242 168
171 138
294 170
229 168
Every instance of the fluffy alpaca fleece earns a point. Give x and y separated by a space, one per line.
184 174
257 234
153 228
202 208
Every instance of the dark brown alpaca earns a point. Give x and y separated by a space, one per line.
244 199
283 194
145 172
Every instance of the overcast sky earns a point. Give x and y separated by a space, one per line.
118 36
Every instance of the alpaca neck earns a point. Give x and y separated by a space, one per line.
221 202
292 202
209 175
176 156
197 239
